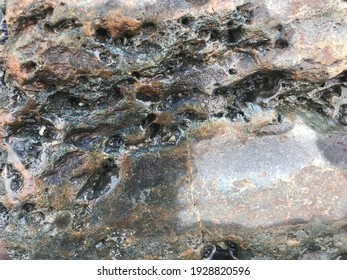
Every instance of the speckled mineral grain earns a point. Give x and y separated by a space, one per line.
155 129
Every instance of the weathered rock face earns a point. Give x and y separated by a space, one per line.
155 129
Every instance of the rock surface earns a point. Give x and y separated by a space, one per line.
155 129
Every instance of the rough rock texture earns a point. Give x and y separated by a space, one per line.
154 129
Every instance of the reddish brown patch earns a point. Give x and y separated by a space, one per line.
88 28
187 254
105 74
153 89
119 26
165 118
126 170
14 70
3 253
22 14
5 118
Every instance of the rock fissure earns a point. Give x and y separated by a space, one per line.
192 196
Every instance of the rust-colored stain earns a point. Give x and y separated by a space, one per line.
118 25
14 69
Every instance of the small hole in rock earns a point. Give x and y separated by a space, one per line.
29 67
154 129
187 21
29 207
232 71
279 27
15 185
223 251
219 115
150 26
281 43
47 26
235 34
104 56
50 10
343 77
214 34
148 120
76 102
102 34
115 141
136 74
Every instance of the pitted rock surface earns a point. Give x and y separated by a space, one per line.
155 129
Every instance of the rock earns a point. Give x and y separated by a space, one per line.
165 129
